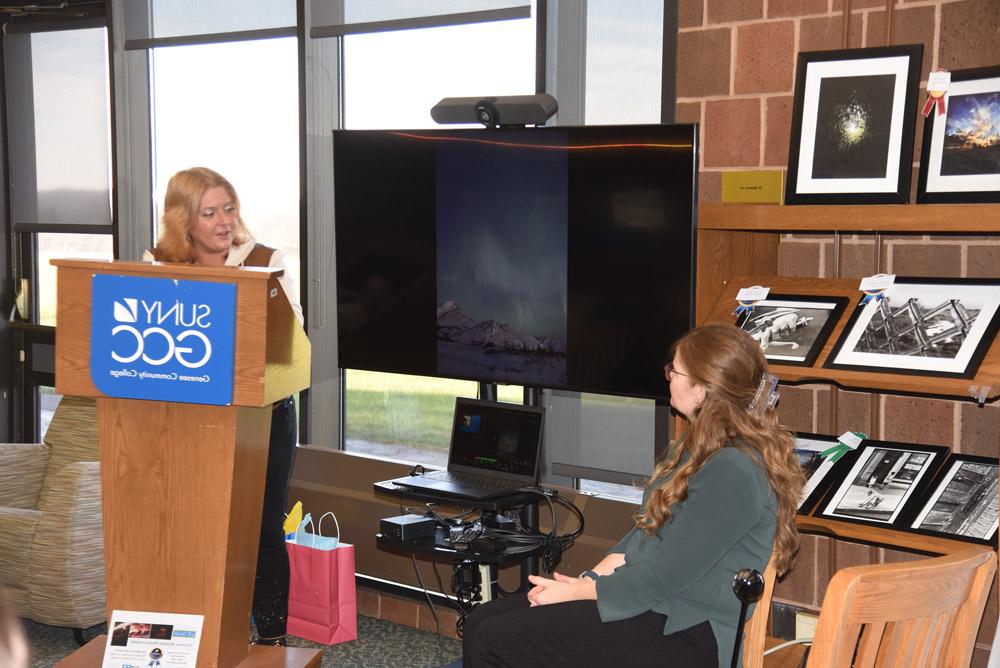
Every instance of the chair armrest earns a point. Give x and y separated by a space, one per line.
22 469
66 578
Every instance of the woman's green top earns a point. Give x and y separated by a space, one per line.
685 571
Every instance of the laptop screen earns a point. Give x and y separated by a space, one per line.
496 437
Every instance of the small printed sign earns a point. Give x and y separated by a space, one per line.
152 639
939 81
752 187
877 282
753 294
162 339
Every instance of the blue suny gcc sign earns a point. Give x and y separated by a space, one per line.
162 339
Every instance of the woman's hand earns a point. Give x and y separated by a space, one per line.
560 589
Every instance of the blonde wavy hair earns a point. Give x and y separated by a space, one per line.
181 206
729 365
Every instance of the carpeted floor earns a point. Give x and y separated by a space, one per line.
379 644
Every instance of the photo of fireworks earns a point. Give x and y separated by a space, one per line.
852 128
972 135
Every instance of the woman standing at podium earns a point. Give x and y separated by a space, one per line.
720 500
201 225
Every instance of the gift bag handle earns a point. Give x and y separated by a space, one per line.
319 525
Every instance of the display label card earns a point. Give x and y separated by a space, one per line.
162 339
152 640
877 283
752 294
939 82
752 187
851 439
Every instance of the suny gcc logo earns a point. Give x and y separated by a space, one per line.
163 339
155 315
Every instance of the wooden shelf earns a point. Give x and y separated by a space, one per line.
988 373
896 218
876 535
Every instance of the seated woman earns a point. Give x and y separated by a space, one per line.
721 499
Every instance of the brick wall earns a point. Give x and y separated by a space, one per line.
736 73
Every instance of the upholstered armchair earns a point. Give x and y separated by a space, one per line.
51 537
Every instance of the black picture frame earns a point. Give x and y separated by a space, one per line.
886 335
954 165
883 481
796 321
961 503
820 472
848 145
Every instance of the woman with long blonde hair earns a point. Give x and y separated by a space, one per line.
723 498
202 225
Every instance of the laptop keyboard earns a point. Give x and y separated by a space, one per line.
472 480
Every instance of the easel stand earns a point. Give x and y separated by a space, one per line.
182 484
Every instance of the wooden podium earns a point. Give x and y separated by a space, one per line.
182 483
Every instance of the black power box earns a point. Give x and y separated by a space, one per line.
407 527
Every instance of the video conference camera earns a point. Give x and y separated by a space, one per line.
494 112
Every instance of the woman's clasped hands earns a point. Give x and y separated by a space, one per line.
560 589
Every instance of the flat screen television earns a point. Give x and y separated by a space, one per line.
553 257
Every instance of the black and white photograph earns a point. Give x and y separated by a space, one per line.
853 125
810 448
883 478
791 329
963 503
960 160
934 327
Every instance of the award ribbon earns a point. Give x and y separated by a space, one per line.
847 442
875 286
877 295
748 298
937 85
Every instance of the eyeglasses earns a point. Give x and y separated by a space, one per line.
669 368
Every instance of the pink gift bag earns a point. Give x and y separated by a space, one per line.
322 597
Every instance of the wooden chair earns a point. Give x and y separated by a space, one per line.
917 614
755 630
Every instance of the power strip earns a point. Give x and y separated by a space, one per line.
485 584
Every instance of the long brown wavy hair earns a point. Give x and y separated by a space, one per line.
729 365
180 212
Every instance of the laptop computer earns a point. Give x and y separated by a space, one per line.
494 451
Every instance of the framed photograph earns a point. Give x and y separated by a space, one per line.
928 327
882 479
792 329
818 469
960 161
853 122
963 501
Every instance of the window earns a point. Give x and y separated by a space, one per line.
624 72
89 246
59 156
233 107
391 80
624 61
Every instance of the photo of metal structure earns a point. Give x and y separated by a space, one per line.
912 328
923 326
964 501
